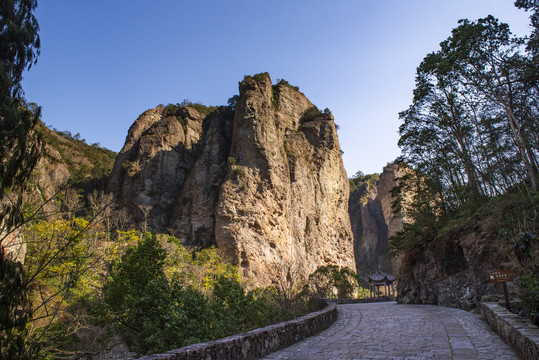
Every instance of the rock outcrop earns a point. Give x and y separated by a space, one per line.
373 221
152 166
264 182
455 273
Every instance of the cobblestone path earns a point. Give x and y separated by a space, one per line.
391 331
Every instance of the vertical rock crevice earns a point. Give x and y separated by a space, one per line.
373 221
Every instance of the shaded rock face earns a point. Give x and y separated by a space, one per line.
457 275
151 168
370 231
263 183
373 223
193 217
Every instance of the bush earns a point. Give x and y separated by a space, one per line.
152 314
198 106
238 171
171 110
283 82
310 114
160 299
332 281
14 309
529 288
233 102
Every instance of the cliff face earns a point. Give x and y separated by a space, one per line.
152 166
264 183
373 222
455 272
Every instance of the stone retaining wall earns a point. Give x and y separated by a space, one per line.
257 343
361 301
516 331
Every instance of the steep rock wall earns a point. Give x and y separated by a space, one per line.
264 183
457 274
373 222
151 168
282 209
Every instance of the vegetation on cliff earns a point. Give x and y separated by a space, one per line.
89 165
471 136
362 183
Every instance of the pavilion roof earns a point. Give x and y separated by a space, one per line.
380 276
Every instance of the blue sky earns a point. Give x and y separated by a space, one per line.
103 63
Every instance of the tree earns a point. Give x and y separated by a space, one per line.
472 125
20 146
471 131
488 59
438 127
20 149
14 308
533 42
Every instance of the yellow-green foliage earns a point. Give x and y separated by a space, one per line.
137 285
60 243
64 264
159 284
198 269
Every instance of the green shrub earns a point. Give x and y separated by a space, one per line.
171 110
310 114
260 76
14 309
231 160
282 82
286 148
529 288
233 102
159 300
333 281
238 171
198 106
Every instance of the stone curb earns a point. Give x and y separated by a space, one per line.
257 343
514 330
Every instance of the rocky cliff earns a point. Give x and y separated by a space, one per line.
455 271
264 182
373 222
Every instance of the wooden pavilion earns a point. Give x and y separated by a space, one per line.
382 280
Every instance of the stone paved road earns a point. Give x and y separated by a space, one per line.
391 331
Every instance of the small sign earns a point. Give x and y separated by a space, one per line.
501 276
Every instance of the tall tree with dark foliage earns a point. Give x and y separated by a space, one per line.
20 148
